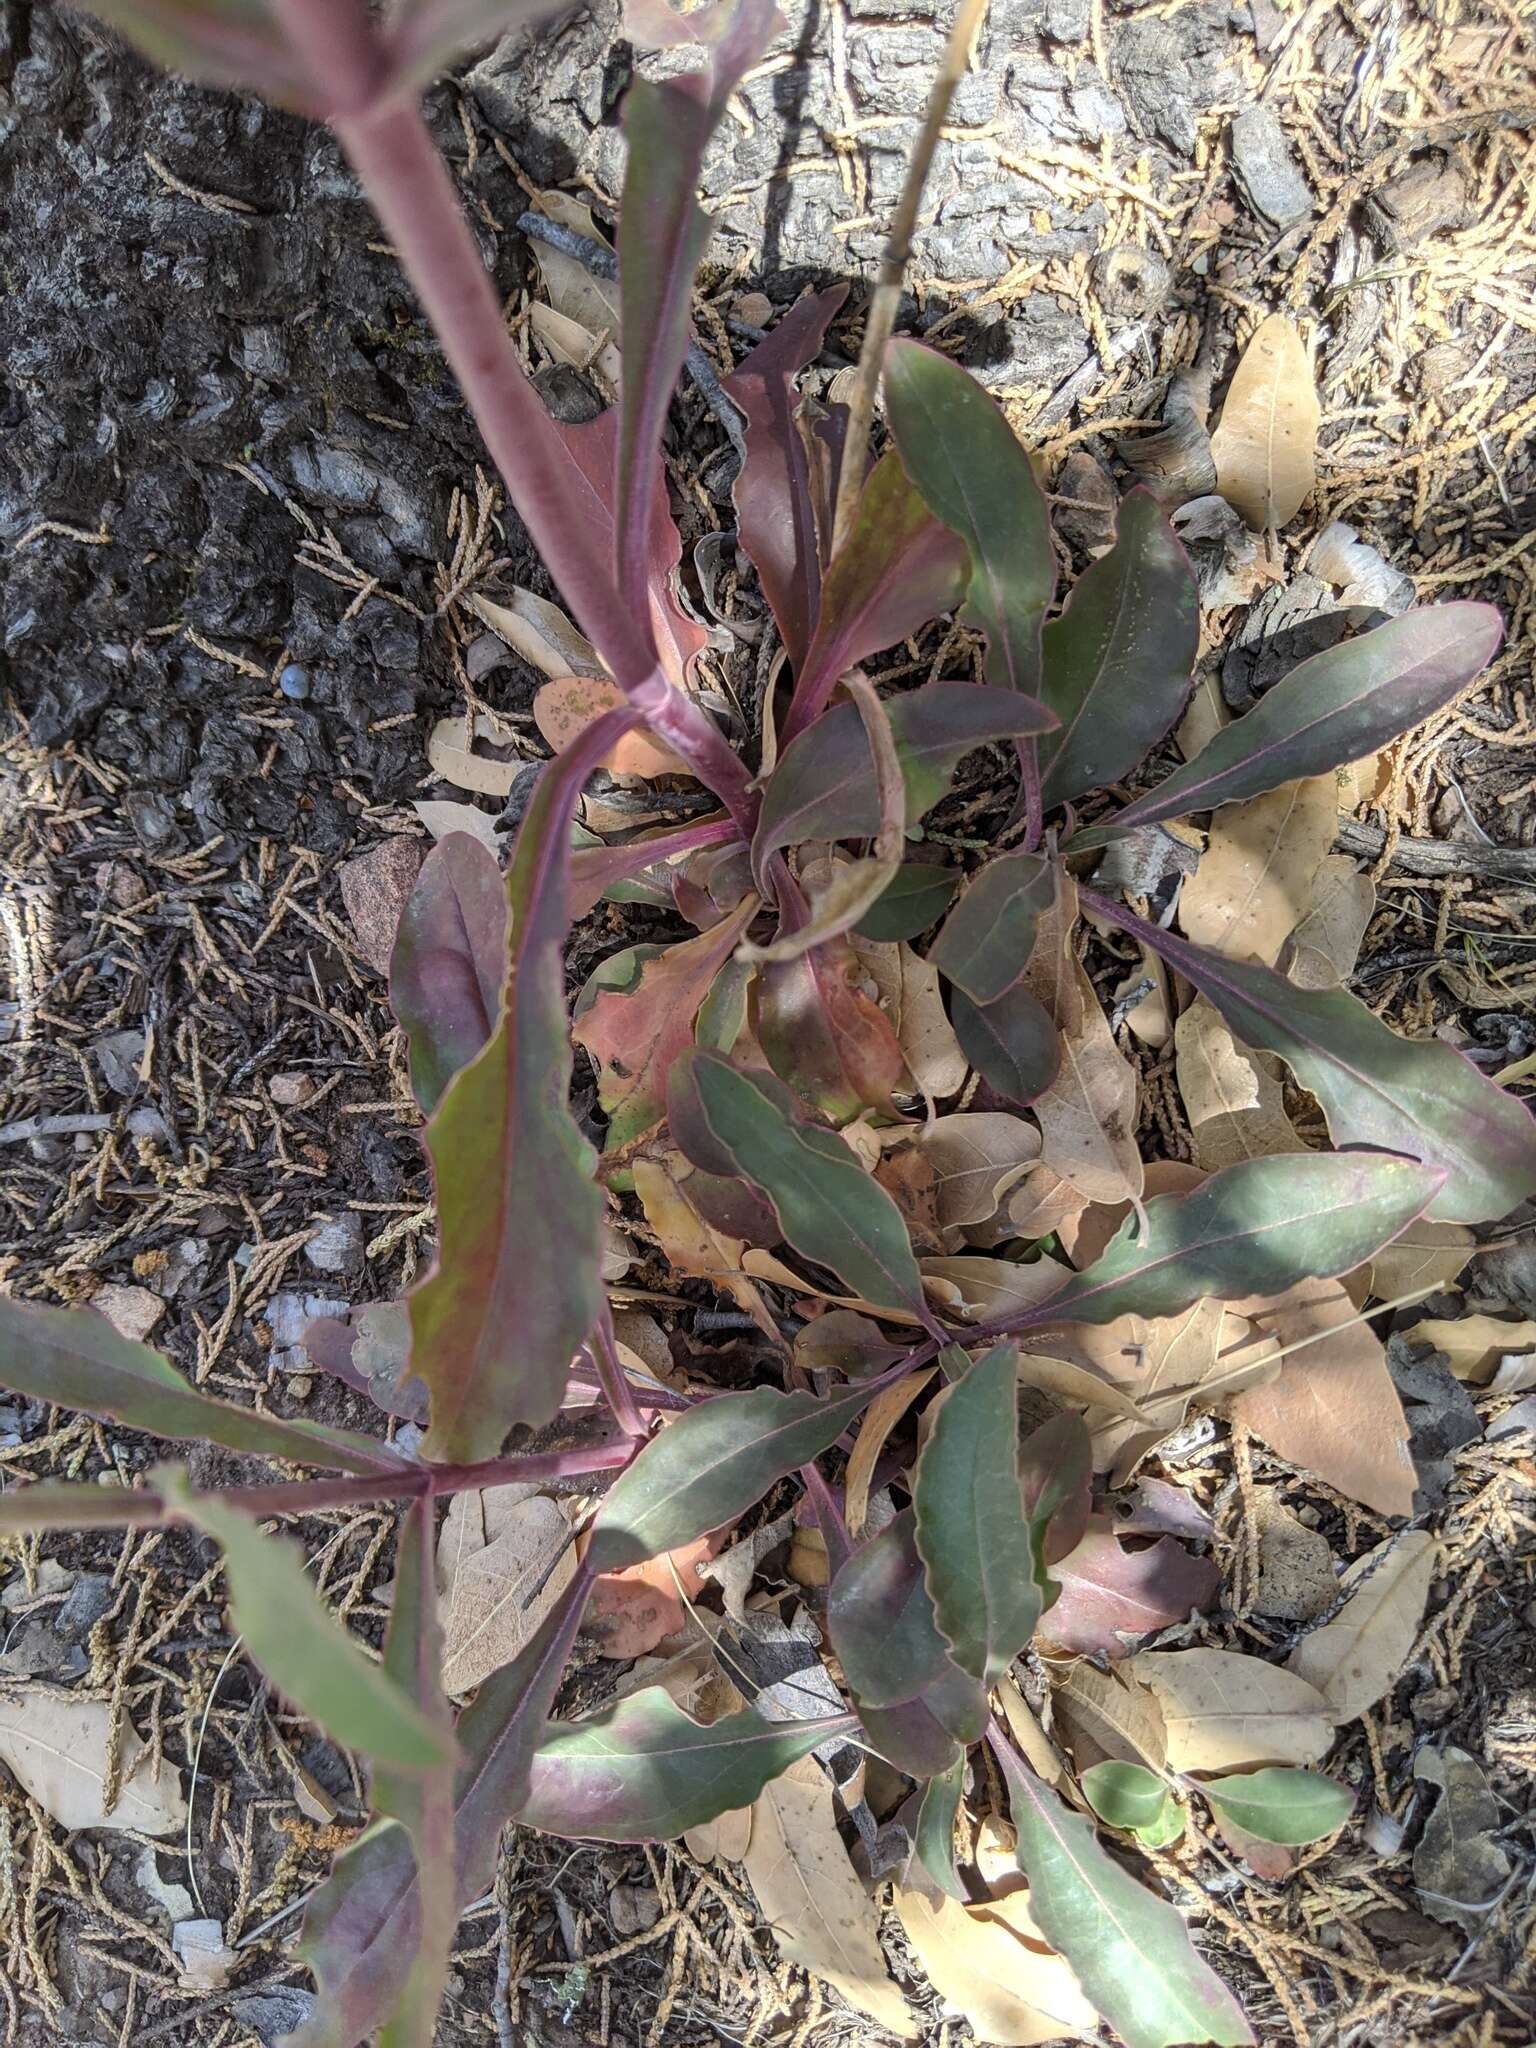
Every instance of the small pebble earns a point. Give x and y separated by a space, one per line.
289 1090
294 682
337 1246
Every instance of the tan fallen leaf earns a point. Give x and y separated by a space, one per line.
1333 1409
908 991
539 631
576 293
1265 446
58 1751
1205 714
1150 1017
975 1289
1043 1203
875 1426
1325 945
689 1243
1480 1348
1080 1385
451 754
629 1612
707 1694
1256 878
1009 1988
821 1916
1356 1659
1427 1254
1223 1710
975 1158
1236 1109
1297 1581
1200 1357
1037 1748
504 1556
762 1265
1108 1714
567 705
1460 1866
1087 1116
1085 1234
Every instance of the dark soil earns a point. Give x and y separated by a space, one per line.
231 454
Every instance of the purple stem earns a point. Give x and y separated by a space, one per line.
613 1379
1029 776
407 182
829 1517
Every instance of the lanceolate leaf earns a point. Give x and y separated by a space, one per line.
976 476
1118 661
881 1620
897 569
662 234
45 1506
775 513
1335 708
303 1650
823 786
1408 1095
828 1208
75 1358
984 1572
711 1466
450 951
988 937
1129 1950
1012 1043
362 1933
428 34
916 896
643 1771
219 42
634 1034
933 1838
520 1218
1254 1229
1277 1805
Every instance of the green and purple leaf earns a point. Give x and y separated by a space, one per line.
1056 1473
917 896
303 1649
1406 1095
824 788
829 1208
218 42
426 36
975 475
897 569
933 1836
75 1358
988 937
1013 1043
363 1933
520 1218
633 1033
1112 1596
1335 708
45 1505
982 1557
639 870
711 1465
775 510
642 1771
1129 1950
1131 1797
1257 1228
1290 1807
1119 659
450 953
881 1620
663 232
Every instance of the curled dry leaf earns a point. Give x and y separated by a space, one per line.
974 1158
976 1290
992 1968
822 1917
539 631
1332 1409
879 1419
1111 1595
1484 1350
1087 1116
1109 1715
1236 1108
61 1752
1265 446
630 1611
691 1244
1459 1866
1257 877
907 990
1356 1659
451 753
1223 1710
566 706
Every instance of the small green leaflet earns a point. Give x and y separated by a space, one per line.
933 1838
984 1573
1131 1797
710 1467
828 1207
306 1653
1012 1043
1129 1950
642 1771
75 1357
917 896
1285 1806
988 937
1253 1229
976 476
